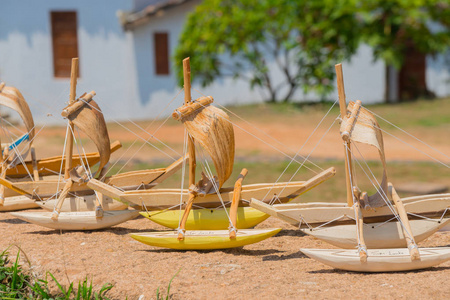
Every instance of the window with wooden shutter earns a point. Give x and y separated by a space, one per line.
161 42
65 41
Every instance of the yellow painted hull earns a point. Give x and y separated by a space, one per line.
204 239
207 219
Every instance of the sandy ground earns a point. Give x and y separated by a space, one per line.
271 269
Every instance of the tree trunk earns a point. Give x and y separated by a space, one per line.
411 77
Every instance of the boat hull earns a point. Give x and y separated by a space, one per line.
82 203
18 203
204 219
379 260
377 235
77 220
204 239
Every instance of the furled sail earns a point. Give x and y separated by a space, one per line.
89 119
12 98
367 131
212 129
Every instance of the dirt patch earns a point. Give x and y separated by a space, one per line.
273 268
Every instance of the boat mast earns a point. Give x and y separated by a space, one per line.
348 154
191 149
69 145
187 100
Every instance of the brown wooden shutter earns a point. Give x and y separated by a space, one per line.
161 42
65 41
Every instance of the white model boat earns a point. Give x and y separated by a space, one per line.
379 260
358 125
382 216
86 220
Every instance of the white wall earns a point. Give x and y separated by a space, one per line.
26 58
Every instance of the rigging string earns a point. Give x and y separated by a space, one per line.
380 189
18 154
136 152
361 248
138 136
42 127
261 140
210 176
146 129
309 154
406 143
407 133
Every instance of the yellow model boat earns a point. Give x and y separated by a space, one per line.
202 219
204 239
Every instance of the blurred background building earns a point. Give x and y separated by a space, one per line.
125 49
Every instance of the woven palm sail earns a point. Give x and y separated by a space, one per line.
89 119
367 131
12 98
212 129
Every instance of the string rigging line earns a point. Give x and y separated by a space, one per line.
146 129
261 140
407 133
138 136
408 144
380 190
309 154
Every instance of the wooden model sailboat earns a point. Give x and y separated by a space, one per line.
85 114
334 223
13 165
213 130
380 221
209 126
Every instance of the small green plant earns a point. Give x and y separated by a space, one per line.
15 283
167 297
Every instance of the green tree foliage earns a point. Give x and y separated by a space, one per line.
304 39
239 38
390 27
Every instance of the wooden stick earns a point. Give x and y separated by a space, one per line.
2 171
235 202
343 108
34 164
2 187
191 149
313 182
2 85
61 198
191 107
346 133
76 105
406 226
72 95
187 210
360 224
187 99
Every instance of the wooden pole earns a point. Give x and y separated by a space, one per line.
2 173
187 99
348 155
406 227
235 202
72 95
69 145
191 149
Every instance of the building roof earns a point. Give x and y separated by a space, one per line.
156 7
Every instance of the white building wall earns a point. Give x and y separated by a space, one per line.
26 56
